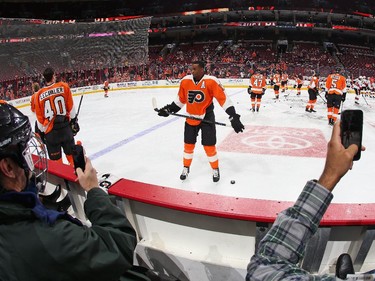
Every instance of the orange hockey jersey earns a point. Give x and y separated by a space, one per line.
257 83
284 77
51 101
106 86
314 82
32 102
201 96
277 79
336 84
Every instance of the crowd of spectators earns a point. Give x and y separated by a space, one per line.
225 59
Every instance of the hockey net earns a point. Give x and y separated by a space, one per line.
27 47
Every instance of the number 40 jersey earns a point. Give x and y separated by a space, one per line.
51 101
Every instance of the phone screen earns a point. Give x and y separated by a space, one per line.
351 129
79 157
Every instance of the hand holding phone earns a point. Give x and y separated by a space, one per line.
79 157
351 129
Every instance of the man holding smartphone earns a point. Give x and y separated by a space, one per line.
283 247
335 94
44 244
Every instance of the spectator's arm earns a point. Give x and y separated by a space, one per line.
283 247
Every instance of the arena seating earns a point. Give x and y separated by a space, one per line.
226 59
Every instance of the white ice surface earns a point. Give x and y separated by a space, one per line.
124 136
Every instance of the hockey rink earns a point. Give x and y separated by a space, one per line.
281 148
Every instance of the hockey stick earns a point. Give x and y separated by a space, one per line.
341 107
365 99
287 95
79 105
154 105
325 102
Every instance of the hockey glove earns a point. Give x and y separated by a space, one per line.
168 109
326 95
164 111
263 91
235 119
249 90
343 97
74 125
236 123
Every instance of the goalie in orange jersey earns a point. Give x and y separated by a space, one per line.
197 92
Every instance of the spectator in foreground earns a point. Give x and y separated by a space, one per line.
283 247
40 244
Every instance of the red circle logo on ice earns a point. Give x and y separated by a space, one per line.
276 142
300 142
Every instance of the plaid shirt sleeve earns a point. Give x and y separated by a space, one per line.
283 246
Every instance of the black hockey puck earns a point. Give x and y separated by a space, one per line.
232 181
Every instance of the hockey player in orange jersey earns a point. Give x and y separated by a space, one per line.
106 88
256 90
284 81
312 89
197 92
276 81
299 82
335 94
35 88
56 116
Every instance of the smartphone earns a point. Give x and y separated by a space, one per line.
351 129
79 157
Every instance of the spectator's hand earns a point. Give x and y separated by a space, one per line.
236 123
87 179
338 160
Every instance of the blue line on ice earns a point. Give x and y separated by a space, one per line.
136 136
130 139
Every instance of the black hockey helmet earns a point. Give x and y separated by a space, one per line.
18 142
338 69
